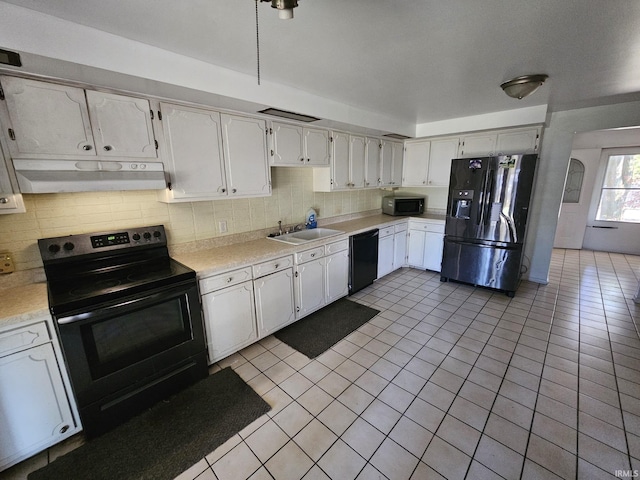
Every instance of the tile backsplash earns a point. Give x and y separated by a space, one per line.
51 215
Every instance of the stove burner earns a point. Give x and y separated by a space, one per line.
91 288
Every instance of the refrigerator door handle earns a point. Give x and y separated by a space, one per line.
483 198
484 245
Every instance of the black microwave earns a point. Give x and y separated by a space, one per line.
403 205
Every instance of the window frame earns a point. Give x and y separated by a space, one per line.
606 155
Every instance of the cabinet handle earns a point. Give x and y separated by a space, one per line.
108 148
4 200
234 190
87 147
301 159
313 255
64 428
224 190
308 159
229 279
276 265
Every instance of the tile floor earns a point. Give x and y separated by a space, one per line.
455 382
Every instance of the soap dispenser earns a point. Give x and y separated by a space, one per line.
310 221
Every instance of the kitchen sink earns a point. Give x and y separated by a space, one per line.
304 236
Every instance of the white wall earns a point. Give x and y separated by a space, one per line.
554 158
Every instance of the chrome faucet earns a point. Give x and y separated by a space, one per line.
298 227
279 227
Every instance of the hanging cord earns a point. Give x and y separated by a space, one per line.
257 42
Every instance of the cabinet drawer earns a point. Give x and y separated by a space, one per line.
385 232
225 280
427 226
23 337
401 227
310 254
337 246
265 268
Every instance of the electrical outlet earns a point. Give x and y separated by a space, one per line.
6 262
222 226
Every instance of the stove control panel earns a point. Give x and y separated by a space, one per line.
82 244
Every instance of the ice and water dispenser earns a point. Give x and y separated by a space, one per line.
461 201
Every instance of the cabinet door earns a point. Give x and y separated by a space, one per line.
372 168
10 202
287 145
415 247
47 118
386 164
275 306
518 142
357 160
442 152
340 161
194 151
399 249
316 147
337 276
398 155
121 125
230 320
416 164
310 287
36 412
477 145
433 245
385 255
244 141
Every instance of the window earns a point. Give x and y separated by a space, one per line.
573 184
620 195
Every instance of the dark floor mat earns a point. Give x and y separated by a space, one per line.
167 439
321 330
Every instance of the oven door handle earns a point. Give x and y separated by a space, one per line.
110 310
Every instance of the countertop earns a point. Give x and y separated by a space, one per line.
29 302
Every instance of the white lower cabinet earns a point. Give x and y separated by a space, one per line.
310 287
275 305
392 248
35 404
322 276
425 244
229 313
337 277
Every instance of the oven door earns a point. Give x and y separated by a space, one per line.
116 351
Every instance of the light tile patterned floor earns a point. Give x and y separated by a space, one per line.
455 382
451 381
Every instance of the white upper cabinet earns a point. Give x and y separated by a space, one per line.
10 200
373 156
440 156
295 145
477 145
244 141
50 120
416 164
357 160
524 140
521 141
391 164
194 157
121 125
212 155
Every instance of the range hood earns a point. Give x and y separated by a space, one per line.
54 176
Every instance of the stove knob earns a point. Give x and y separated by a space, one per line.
146 235
136 236
54 248
68 246
157 234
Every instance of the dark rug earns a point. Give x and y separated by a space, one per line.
167 439
321 330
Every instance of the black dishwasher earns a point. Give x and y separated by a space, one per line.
363 260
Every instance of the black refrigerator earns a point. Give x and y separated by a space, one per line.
486 220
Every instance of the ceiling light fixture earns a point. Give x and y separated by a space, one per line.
523 86
285 7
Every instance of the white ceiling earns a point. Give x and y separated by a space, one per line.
418 60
